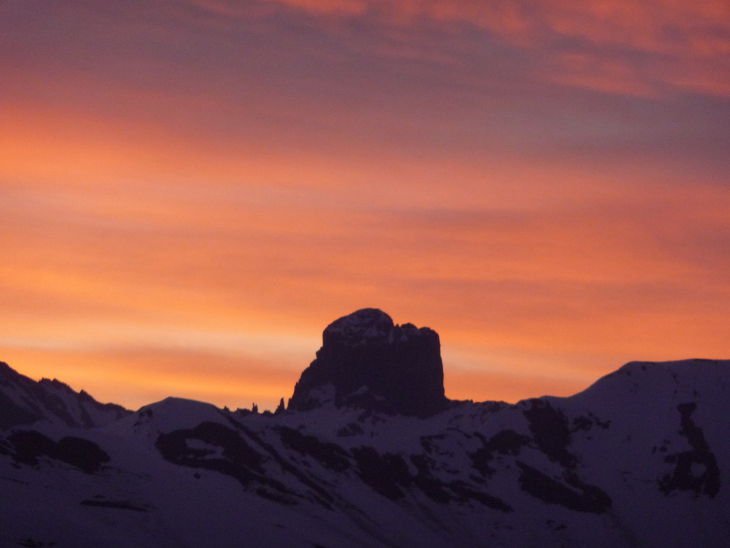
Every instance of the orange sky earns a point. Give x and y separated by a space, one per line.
193 190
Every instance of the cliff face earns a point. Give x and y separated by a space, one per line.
367 361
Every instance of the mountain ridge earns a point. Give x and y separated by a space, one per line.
638 458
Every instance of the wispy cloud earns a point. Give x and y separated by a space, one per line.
618 47
545 183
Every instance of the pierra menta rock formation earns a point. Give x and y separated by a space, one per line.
370 452
366 361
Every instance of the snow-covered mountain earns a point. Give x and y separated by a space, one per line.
371 453
25 401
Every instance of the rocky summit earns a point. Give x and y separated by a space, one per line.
367 361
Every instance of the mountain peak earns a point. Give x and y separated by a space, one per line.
366 324
369 362
25 401
6 371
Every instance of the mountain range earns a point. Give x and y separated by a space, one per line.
369 451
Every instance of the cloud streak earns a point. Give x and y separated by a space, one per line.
543 183
618 47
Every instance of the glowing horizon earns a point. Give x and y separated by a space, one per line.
194 189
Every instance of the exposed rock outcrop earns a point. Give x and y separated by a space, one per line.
367 361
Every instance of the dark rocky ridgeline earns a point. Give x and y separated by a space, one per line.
376 365
49 399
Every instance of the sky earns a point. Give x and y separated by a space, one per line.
192 190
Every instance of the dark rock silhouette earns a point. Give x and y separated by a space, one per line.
366 361
705 478
281 407
28 446
24 401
